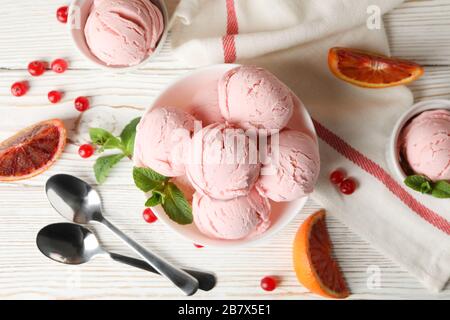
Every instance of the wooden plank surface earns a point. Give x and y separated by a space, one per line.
418 30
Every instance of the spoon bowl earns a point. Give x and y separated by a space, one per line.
76 200
68 243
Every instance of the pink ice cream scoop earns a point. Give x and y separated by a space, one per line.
205 104
223 162
425 143
239 218
252 97
162 141
123 32
294 167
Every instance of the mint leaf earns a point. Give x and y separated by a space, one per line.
112 143
426 187
151 174
103 166
441 190
147 180
176 206
416 182
100 136
128 136
154 200
160 192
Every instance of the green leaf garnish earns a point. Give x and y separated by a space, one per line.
103 166
416 182
112 143
426 187
147 179
176 205
128 136
107 141
440 189
99 136
154 200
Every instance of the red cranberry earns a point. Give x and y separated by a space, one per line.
149 216
268 283
19 89
36 68
62 13
348 186
86 151
54 96
59 65
337 177
81 104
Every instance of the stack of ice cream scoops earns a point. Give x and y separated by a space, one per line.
223 161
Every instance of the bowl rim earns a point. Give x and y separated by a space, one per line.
120 69
393 148
219 243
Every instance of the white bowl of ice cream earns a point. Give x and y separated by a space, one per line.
231 205
420 142
118 35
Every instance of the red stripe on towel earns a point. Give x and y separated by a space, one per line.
229 49
232 25
228 41
380 174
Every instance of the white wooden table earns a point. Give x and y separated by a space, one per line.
419 30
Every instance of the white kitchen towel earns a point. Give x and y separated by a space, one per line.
292 38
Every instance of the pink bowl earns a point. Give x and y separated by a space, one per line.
181 94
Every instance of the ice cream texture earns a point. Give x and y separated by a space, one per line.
162 139
223 162
238 218
123 32
296 166
205 105
425 143
252 97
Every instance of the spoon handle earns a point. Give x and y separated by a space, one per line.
187 283
207 281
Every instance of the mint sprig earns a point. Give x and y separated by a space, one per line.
148 180
128 135
164 193
441 190
103 166
422 184
105 140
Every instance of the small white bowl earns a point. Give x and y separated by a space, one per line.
180 94
78 14
393 151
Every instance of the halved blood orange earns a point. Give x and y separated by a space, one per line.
32 151
370 70
314 264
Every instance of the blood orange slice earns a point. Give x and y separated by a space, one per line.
32 150
314 264
371 70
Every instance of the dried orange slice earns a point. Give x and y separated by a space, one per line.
32 150
369 70
314 264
